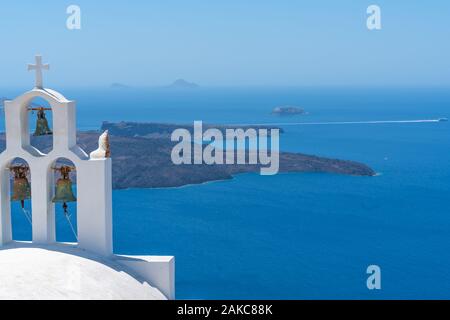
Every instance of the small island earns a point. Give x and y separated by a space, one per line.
288 111
182 84
141 158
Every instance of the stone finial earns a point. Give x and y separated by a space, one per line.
103 150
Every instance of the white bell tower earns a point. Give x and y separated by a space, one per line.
94 187
94 211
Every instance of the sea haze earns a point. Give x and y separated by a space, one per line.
293 235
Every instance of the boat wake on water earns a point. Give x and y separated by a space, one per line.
346 122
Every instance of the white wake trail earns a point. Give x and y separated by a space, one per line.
340 122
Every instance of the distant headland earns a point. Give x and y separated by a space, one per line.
141 158
117 85
288 111
182 84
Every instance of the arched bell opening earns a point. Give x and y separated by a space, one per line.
20 196
65 200
40 121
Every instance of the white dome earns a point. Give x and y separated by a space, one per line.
64 272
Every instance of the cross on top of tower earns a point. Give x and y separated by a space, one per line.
38 67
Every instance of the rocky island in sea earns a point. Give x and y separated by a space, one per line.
141 154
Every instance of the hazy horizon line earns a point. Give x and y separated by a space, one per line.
229 86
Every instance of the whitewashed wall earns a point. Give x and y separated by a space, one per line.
94 194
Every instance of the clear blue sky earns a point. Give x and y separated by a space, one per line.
232 42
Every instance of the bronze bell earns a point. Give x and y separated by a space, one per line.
42 128
21 186
63 190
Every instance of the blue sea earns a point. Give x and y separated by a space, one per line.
293 236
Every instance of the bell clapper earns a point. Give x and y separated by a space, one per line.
66 211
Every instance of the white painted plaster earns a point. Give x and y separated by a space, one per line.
55 272
94 207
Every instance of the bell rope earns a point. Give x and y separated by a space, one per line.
27 214
67 215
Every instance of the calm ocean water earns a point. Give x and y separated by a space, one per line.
294 236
